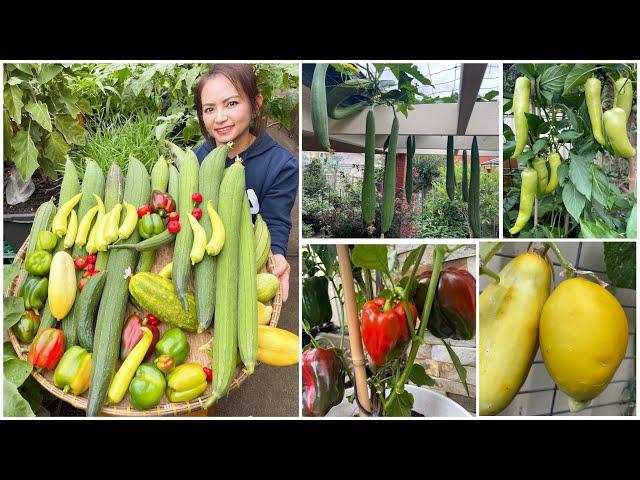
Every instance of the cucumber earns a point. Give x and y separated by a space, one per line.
247 292
88 302
451 170
465 186
113 304
319 116
368 180
389 187
411 150
474 190
341 92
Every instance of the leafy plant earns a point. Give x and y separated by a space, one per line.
43 117
593 198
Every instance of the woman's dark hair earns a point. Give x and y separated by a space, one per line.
242 76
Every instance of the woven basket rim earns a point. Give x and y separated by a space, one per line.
167 409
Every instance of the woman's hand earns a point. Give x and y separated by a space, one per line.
281 270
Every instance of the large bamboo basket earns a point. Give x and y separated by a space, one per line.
124 408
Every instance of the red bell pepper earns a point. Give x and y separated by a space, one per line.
453 314
385 331
132 333
47 349
322 381
162 203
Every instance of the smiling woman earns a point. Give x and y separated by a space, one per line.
228 103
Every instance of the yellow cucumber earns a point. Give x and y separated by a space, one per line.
62 285
509 318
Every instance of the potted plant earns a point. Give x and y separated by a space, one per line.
389 319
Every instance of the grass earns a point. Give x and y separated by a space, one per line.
117 137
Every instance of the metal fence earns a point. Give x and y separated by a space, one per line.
539 395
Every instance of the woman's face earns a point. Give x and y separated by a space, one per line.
226 112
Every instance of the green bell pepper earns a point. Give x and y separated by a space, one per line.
316 307
46 240
73 371
38 262
172 349
150 225
27 327
186 382
34 291
147 387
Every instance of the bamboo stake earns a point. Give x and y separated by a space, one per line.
351 305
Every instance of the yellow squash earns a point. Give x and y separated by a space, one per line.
509 318
583 339
62 285
277 346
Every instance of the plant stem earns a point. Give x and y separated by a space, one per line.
308 332
438 258
405 297
490 273
563 261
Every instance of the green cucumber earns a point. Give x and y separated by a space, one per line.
368 180
389 186
319 115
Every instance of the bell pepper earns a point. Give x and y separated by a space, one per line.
172 349
46 240
147 387
186 382
132 333
316 307
26 328
385 331
150 225
453 314
38 262
162 203
126 372
34 291
74 371
322 381
46 349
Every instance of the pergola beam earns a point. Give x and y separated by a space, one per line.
470 81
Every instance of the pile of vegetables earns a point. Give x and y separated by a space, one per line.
93 253
580 327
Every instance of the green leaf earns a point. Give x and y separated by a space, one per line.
553 78
525 157
26 154
507 132
14 81
533 121
528 69
508 148
9 273
419 377
13 102
539 145
596 230
600 189
24 67
631 223
56 148
402 406
620 259
410 260
14 405
32 393
40 113
49 71
563 172
490 95
17 371
577 76
573 200
544 127
373 257
462 373
72 131
507 106
580 174
13 309
569 135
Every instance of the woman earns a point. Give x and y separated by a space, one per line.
228 105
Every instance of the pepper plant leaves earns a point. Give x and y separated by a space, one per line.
596 229
462 373
553 78
13 102
40 113
631 224
402 406
56 148
372 257
72 131
17 371
577 76
539 145
410 260
420 377
573 200
580 175
13 403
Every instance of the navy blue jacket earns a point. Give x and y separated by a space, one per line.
271 176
